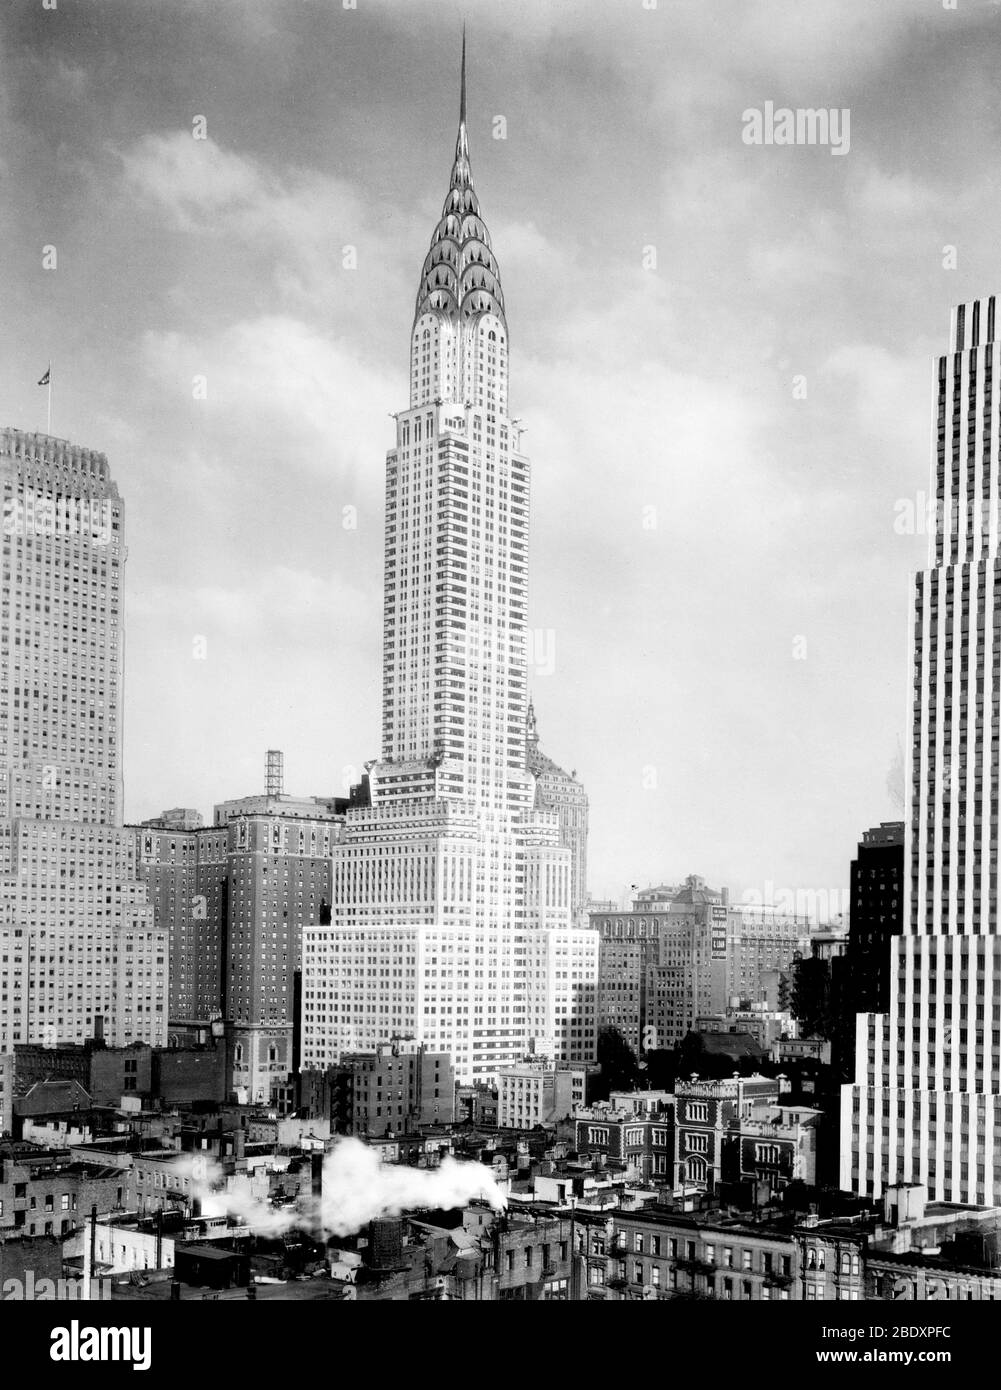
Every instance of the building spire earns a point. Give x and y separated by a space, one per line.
462 90
461 277
460 169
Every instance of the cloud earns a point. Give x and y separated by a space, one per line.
193 180
322 238
275 384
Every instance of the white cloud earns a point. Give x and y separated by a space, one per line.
194 179
302 221
278 382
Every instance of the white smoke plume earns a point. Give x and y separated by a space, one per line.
238 1200
357 1188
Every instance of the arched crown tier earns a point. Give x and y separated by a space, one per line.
461 278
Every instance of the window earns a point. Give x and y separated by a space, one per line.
638 1243
697 1111
696 1169
727 1257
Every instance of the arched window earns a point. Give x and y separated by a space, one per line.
696 1169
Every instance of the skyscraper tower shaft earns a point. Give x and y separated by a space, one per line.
926 1103
451 916
75 925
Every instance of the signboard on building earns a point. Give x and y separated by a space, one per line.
717 927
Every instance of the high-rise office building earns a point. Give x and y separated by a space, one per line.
452 911
876 914
186 872
79 949
233 898
925 1106
860 979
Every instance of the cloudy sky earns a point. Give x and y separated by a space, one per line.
722 353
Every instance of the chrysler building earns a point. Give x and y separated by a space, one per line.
452 912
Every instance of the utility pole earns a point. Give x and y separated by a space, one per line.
573 1247
90 1250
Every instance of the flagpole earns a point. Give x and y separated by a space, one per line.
48 393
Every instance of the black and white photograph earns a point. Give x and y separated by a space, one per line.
500 673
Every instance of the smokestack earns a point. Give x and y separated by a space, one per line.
316 1174
275 775
99 1029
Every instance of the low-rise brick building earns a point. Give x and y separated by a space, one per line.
394 1089
49 1193
642 1143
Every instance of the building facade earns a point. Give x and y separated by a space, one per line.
538 1093
392 1090
77 937
876 915
6 1093
670 961
452 900
233 898
560 791
925 1105
185 873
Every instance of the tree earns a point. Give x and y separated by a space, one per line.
619 1068
812 1002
